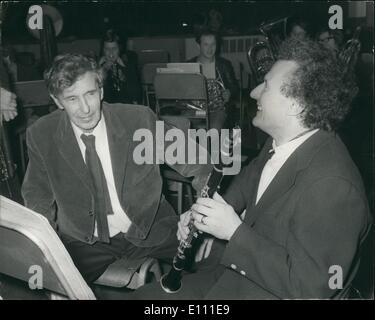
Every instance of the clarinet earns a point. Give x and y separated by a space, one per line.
171 282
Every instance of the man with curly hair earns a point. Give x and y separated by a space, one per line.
291 223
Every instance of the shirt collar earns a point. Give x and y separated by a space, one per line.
290 146
98 130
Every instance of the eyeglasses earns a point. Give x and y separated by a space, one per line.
325 39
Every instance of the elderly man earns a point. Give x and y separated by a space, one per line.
83 177
306 209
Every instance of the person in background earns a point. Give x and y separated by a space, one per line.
8 106
298 28
120 70
198 23
221 81
330 39
9 60
9 184
215 21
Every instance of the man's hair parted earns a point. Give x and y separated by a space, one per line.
66 69
319 85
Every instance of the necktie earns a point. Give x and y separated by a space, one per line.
101 194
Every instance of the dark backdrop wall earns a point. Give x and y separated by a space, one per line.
86 19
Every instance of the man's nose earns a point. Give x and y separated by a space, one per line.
255 93
84 106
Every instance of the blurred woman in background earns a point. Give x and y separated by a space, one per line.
121 78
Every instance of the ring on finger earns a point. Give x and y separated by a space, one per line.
202 220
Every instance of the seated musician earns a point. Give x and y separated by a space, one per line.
83 177
120 70
299 28
221 82
330 39
306 209
8 111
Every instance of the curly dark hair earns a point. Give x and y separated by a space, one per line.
320 84
66 69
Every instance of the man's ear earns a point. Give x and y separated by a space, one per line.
294 109
57 102
101 93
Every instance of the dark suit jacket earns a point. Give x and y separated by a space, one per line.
57 182
313 215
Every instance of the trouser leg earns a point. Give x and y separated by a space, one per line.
194 285
93 259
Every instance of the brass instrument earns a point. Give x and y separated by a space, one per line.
215 89
262 55
349 53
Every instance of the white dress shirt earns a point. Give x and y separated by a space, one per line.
274 164
118 221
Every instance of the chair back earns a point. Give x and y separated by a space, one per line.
153 56
149 72
32 93
180 86
181 123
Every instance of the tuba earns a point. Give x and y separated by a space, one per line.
262 55
215 89
349 53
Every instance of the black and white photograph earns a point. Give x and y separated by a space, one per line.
198 151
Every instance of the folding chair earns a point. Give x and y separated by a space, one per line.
177 88
148 74
153 56
183 183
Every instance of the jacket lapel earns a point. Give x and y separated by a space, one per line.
281 184
261 161
68 147
286 176
119 143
